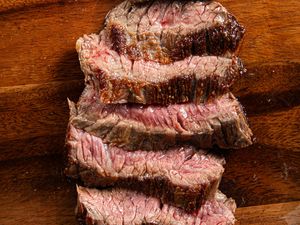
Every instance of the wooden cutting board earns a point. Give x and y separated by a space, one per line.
39 69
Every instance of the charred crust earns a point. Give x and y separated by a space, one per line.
235 30
188 199
117 34
218 40
133 52
213 41
176 90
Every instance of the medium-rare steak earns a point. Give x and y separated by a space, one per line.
167 31
219 122
122 207
119 79
180 176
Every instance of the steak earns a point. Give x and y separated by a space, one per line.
120 80
182 177
167 31
123 207
219 122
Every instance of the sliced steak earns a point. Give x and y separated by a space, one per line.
119 79
182 176
219 122
122 207
167 31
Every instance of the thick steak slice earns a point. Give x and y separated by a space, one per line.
123 207
167 31
219 122
182 176
119 79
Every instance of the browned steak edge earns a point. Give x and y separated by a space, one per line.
214 41
81 210
181 197
178 89
133 135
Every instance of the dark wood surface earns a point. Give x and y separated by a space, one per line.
39 69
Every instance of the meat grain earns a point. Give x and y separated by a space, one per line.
181 176
122 207
118 79
219 122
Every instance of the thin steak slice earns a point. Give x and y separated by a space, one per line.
167 31
119 79
219 122
123 207
181 176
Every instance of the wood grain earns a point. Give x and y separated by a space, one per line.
39 69
272 30
275 214
39 43
42 108
9 5
34 118
262 175
34 191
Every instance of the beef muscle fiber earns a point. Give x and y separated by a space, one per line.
180 176
123 207
119 79
219 122
167 31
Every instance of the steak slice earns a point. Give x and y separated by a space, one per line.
119 79
167 31
123 207
219 122
181 176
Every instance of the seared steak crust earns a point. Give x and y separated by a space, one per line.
182 177
120 80
167 31
219 122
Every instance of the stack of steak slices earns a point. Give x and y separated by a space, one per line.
156 100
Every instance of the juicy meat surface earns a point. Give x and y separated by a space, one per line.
181 176
123 207
219 122
167 31
120 80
